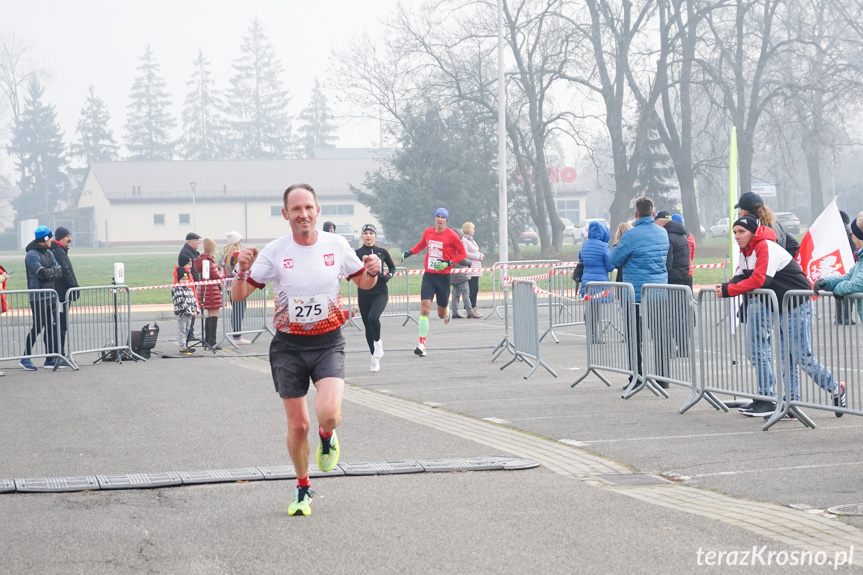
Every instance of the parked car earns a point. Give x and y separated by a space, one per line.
719 229
349 233
580 231
528 237
568 229
789 221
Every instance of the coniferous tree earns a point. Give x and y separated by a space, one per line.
203 129
96 141
37 145
316 131
149 122
260 126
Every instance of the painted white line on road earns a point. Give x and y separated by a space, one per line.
573 442
495 420
730 433
772 469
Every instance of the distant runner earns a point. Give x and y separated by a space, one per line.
444 248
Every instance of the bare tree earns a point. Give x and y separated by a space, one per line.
445 51
16 70
615 69
739 56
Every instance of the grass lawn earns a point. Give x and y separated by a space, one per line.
155 266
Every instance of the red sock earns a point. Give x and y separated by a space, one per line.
324 434
423 340
304 482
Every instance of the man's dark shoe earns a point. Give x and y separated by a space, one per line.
759 408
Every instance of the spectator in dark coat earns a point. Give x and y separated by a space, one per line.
678 274
60 248
678 266
691 239
189 252
42 271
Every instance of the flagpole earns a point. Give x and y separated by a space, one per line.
732 201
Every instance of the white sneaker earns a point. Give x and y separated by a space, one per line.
374 364
420 350
379 349
242 341
447 317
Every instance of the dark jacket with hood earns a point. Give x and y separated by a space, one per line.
42 269
68 279
595 255
678 268
764 264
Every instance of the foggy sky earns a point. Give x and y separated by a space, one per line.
100 42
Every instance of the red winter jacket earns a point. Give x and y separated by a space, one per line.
691 240
210 295
765 264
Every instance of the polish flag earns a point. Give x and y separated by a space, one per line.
824 250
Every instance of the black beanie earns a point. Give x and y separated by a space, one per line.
749 222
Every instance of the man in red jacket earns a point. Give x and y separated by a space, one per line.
764 264
444 248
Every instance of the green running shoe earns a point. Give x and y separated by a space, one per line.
327 454
300 505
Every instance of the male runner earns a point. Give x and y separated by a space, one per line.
444 248
304 267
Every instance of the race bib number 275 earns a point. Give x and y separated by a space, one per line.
308 309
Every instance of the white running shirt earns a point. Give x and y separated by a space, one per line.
306 285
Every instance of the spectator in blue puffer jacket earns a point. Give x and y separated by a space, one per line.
595 255
644 257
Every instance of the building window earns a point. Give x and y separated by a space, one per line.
185 219
276 211
338 210
569 209
158 219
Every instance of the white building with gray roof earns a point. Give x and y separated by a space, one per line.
158 203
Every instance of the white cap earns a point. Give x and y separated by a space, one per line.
234 237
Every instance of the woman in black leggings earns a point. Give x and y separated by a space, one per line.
373 301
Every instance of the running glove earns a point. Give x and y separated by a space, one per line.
442 265
406 255
819 285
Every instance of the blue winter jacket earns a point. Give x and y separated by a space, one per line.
850 283
595 255
643 255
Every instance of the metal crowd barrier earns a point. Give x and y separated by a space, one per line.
99 321
352 298
500 270
248 317
399 298
668 338
39 320
820 347
525 327
739 348
565 306
610 328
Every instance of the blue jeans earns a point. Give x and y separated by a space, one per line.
799 338
759 322
759 325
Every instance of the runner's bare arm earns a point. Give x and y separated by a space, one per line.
369 278
240 289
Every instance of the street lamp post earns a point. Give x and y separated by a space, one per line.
194 222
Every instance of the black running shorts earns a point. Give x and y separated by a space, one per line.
293 369
435 286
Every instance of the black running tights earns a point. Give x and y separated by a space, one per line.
371 307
